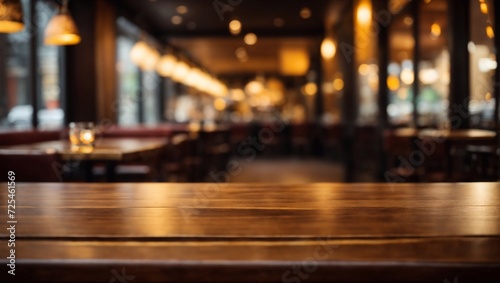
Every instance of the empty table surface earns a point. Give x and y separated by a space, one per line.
257 232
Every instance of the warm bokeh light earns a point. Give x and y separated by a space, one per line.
489 31
310 89
328 48
435 30
180 71
182 9
250 38
364 13
393 83
254 87
220 104
62 30
166 65
305 13
338 84
235 27
407 76
484 8
363 69
176 20
294 61
138 52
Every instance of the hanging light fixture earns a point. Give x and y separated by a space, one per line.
11 16
328 48
62 29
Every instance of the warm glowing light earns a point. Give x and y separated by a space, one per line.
235 27
150 60
305 13
62 30
254 87
138 52
180 72
435 30
250 38
407 76
428 76
488 96
310 89
182 9
87 137
11 16
193 77
328 48
294 61
408 21
338 84
393 83
176 20
489 31
484 8
363 69
241 54
364 13
427 1
166 65
220 104
237 94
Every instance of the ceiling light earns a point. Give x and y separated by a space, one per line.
338 84
182 9
180 72
11 16
392 83
305 13
61 29
328 48
364 13
138 52
220 104
235 27
408 21
166 65
176 20
250 38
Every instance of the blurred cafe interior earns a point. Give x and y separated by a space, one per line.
256 97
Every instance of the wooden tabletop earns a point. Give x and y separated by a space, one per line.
461 135
255 232
118 149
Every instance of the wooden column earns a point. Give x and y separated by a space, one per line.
349 102
90 65
415 11
496 83
105 46
34 87
458 38
383 92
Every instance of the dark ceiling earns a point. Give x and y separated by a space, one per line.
204 34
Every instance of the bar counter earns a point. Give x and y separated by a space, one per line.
152 232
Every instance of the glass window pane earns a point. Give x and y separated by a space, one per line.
400 69
128 83
434 66
482 65
15 104
50 113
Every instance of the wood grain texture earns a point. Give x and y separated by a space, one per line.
256 232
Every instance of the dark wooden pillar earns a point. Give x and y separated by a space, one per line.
383 91
106 75
458 38
347 53
34 88
415 11
496 83
4 102
81 96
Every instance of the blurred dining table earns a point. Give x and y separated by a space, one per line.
110 151
215 232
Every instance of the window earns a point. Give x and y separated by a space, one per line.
482 64
16 104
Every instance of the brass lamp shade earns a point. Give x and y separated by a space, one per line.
11 16
62 30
